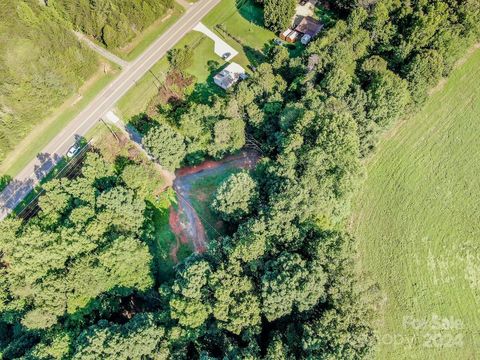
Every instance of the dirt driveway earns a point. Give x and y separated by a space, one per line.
185 223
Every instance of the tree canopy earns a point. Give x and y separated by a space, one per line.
166 145
278 14
236 196
76 279
78 247
112 22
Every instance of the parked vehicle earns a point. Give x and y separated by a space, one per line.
73 151
226 56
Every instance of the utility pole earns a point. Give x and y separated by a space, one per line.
108 127
155 76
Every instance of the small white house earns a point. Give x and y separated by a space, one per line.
229 76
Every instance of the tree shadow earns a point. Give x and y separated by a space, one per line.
121 162
135 134
47 163
80 140
250 11
157 258
18 340
14 193
118 304
254 56
203 93
140 123
213 65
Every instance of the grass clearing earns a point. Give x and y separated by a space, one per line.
136 100
165 239
416 220
40 136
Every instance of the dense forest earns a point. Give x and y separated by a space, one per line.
41 64
78 280
111 22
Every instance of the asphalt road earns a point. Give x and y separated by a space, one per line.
25 181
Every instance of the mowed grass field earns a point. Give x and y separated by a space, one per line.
417 222
136 100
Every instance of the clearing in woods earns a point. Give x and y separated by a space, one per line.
416 220
182 218
192 221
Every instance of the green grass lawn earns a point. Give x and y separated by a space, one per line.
61 118
136 99
244 20
416 220
205 65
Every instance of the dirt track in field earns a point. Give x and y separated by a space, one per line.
185 222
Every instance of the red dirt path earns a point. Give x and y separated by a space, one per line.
186 223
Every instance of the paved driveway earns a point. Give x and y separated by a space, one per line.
221 47
100 50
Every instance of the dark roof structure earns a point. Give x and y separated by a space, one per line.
309 26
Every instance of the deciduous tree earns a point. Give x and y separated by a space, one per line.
166 145
289 284
278 14
236 196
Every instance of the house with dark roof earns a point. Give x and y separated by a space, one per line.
309 26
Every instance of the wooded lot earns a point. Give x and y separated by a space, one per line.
282 283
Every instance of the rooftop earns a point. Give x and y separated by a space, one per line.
229 76
309 26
